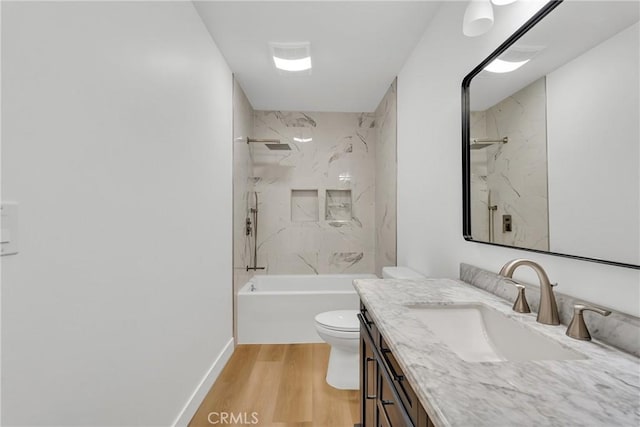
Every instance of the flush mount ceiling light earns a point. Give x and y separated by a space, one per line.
478 18
296 139
500 66
502 2
515 57
292 64
291 57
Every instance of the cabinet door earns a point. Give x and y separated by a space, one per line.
389 412
407 396
423 418
368 368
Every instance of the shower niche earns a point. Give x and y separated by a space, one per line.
338 206
305 206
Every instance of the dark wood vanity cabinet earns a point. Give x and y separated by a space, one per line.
387 398
368 372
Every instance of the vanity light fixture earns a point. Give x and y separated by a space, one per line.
500 66
478 18
291 57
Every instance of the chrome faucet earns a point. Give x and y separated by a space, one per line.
548 310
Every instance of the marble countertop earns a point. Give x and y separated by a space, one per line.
602 390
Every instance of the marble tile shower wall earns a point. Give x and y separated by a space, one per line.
479 189
516 172
385 177
329 151
242 185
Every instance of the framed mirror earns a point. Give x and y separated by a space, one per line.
551 136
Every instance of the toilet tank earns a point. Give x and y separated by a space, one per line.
400 273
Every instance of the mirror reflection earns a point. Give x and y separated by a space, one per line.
554 137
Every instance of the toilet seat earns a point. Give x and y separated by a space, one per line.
341 335
339 321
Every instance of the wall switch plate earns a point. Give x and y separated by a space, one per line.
507 225
9 228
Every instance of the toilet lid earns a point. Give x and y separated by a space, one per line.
342 320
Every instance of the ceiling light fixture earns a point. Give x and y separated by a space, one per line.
478 18
502 2
515 57
296 139
500 66
291 57
302 64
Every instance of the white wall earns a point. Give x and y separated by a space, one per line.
429 167
117 145
593 133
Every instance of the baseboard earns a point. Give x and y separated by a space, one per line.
201 391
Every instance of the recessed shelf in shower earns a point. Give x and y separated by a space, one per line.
305 206
338 206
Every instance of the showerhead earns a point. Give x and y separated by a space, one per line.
278 146
272 144
477 144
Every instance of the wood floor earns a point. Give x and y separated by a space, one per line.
284 385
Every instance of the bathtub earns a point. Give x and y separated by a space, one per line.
280 309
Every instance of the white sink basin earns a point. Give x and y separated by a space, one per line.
478 333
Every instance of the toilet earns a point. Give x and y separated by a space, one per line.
341 330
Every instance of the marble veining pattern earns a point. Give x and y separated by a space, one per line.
385 186
515 172
618 329
343 260
304 205
329 152
338 205
602 390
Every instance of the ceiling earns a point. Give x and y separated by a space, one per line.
357 48
568 31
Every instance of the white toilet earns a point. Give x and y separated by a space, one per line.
341 330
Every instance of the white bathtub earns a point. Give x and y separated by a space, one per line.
280 309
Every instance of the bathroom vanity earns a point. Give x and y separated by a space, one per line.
417 374
387 399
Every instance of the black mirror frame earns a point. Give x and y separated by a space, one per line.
466 144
